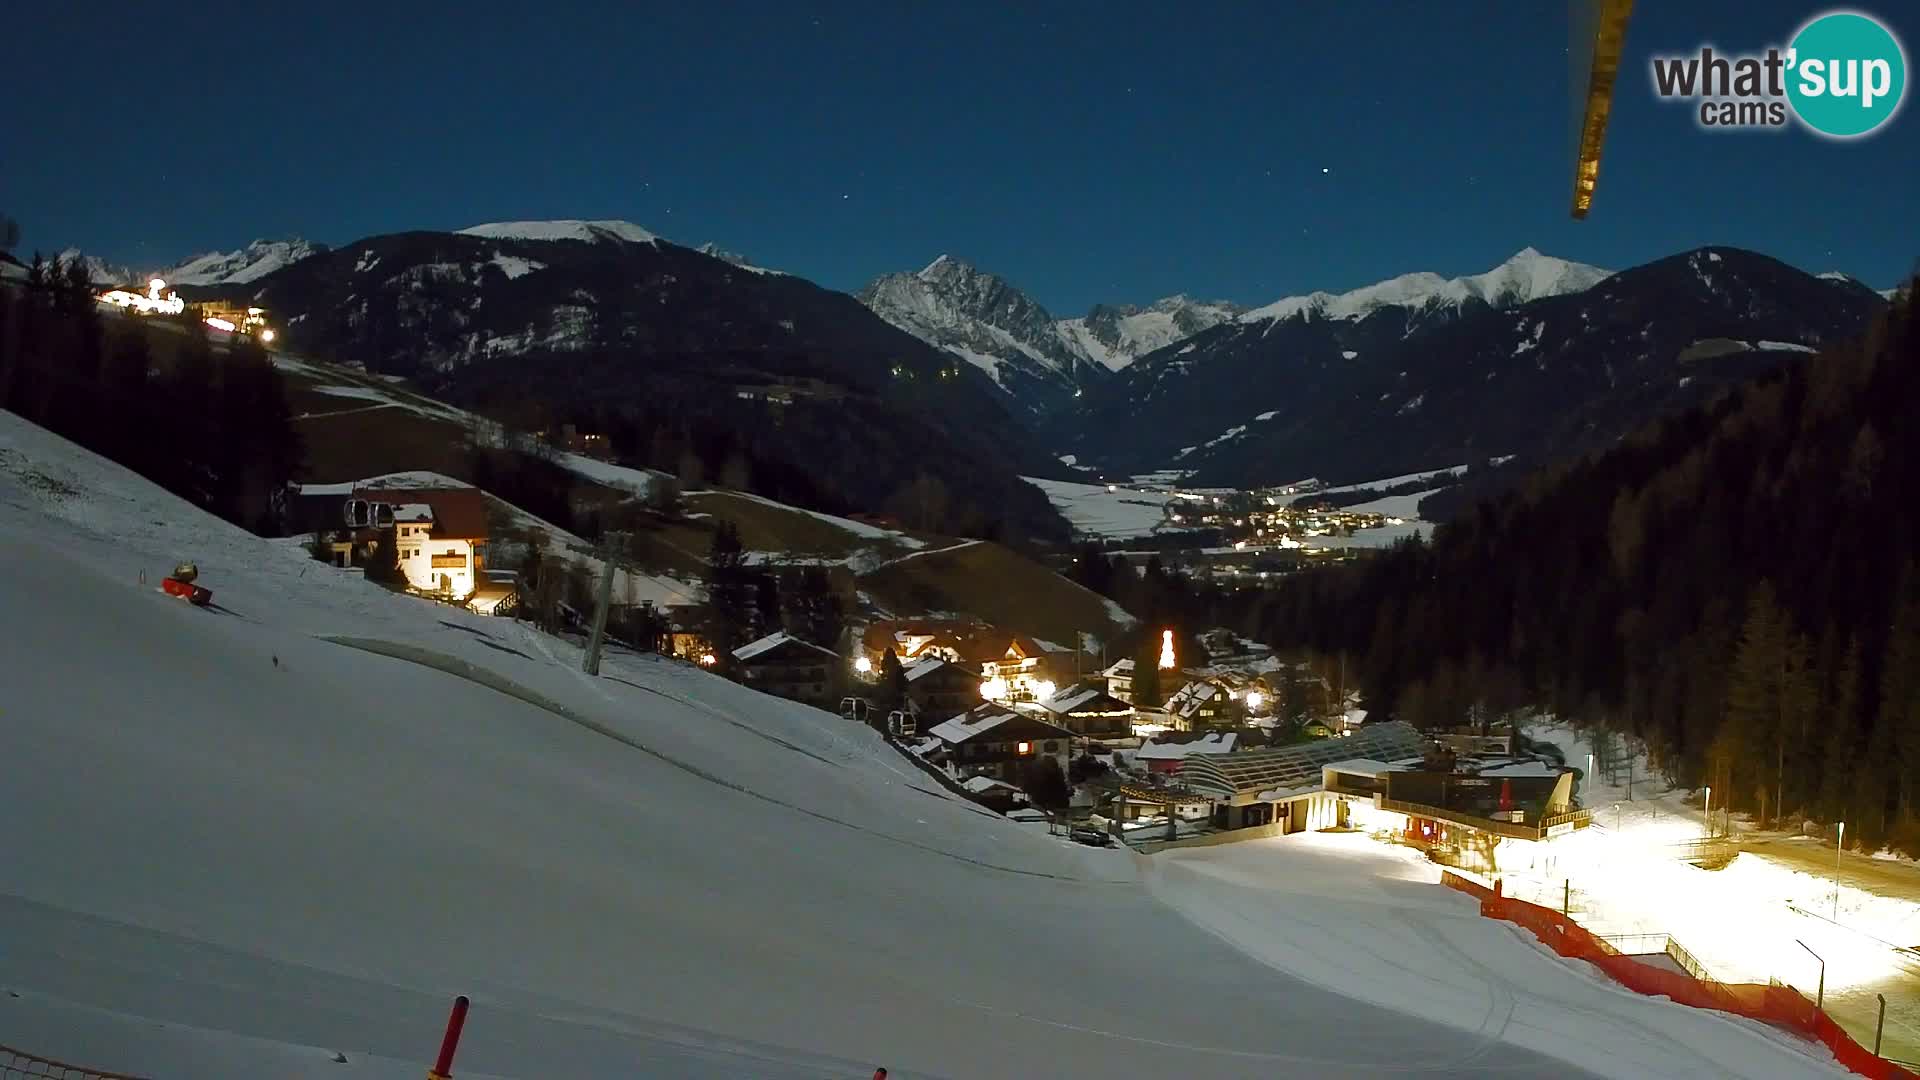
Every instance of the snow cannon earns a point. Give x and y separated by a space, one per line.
181 584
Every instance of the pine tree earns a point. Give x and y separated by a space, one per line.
1843 734
383 566
892 687
1045 785
729 592
1897 723
1146 674
766 604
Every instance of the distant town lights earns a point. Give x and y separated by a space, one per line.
994 689
863 665
1254 698
220 324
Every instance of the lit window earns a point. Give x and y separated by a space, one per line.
1025 748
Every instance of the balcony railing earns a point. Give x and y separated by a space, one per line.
1516 830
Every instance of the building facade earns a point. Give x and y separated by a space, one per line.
785 666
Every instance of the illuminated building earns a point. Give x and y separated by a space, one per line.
157 300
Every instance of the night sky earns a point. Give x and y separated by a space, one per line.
1088 152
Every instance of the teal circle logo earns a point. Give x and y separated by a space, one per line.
1847 74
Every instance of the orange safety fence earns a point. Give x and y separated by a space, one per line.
20 1065
1781 1006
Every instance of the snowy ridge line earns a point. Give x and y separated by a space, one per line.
461 669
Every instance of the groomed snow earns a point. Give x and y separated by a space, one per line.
1363 918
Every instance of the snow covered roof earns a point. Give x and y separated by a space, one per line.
1122 669
980 785
927 665
1029 813
1362 767
413 513
1003 723
1219 742
1189 698
1295 768
1077 698
775 641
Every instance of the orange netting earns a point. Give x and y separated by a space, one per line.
1774 1004
20 1065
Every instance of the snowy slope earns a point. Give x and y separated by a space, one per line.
1528 275
590 231
235 846
1364 919
1095 511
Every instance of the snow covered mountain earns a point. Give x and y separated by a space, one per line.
251 263
1117 335
99 270
572 316
991 324
1536 358
1528 275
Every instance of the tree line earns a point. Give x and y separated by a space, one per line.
1735 585
153 394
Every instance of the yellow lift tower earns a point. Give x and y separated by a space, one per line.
1599 35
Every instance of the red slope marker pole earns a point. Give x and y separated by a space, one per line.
443 1066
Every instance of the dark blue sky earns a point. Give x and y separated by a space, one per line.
1086 151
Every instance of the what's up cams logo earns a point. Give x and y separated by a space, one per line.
1842 76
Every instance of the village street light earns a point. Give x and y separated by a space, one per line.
1708 808
863 665
1254 698
1838 842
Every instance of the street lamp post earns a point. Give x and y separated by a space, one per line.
1820 995
1709 811
1838 842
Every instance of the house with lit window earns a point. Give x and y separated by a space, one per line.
994 740
439 533
785 666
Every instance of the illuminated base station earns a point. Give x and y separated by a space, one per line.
158 299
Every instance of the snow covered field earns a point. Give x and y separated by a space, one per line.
1092 509
1347 913
1746 922
234 848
